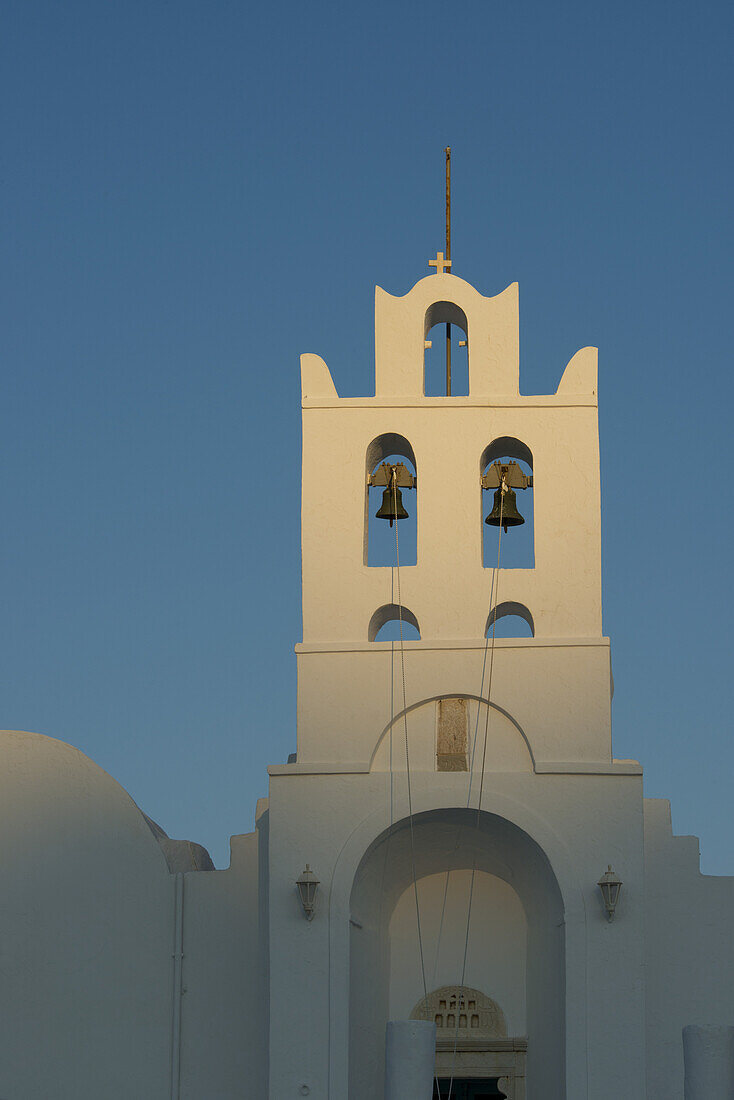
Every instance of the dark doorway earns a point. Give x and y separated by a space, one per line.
467 1089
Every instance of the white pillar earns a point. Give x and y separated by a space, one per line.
708 1053
410 1057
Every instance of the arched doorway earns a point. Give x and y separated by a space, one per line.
516 950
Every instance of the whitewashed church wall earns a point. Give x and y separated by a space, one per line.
305 826
87 966
224 1007
689 948
582 823
341 591
86 915
508 750
344 700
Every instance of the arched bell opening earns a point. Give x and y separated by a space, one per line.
387 622
513 459
445 324
515 962
510 620
391 506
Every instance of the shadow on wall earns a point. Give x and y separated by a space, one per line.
510 620
388 621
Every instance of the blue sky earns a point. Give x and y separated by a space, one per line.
196 193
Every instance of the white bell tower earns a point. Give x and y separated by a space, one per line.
423 765
562 672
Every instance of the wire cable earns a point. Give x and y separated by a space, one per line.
457 842
407 756
489 649
391 799
479 800
407 746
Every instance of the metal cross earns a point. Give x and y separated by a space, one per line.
439 263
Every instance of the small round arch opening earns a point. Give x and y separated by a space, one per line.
516 620
381 630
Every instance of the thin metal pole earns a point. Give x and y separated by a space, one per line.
448 257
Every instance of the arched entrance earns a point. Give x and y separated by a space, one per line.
515 951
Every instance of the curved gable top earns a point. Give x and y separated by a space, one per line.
493 328
477 1015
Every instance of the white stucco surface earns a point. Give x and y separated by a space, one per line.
86 918
709 1062
409 1058
140 971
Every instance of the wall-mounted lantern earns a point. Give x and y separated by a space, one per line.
307 884
610 885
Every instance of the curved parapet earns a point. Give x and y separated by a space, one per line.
316 380
580 376
492 327
181 855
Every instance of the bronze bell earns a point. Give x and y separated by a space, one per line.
510 516
392 506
